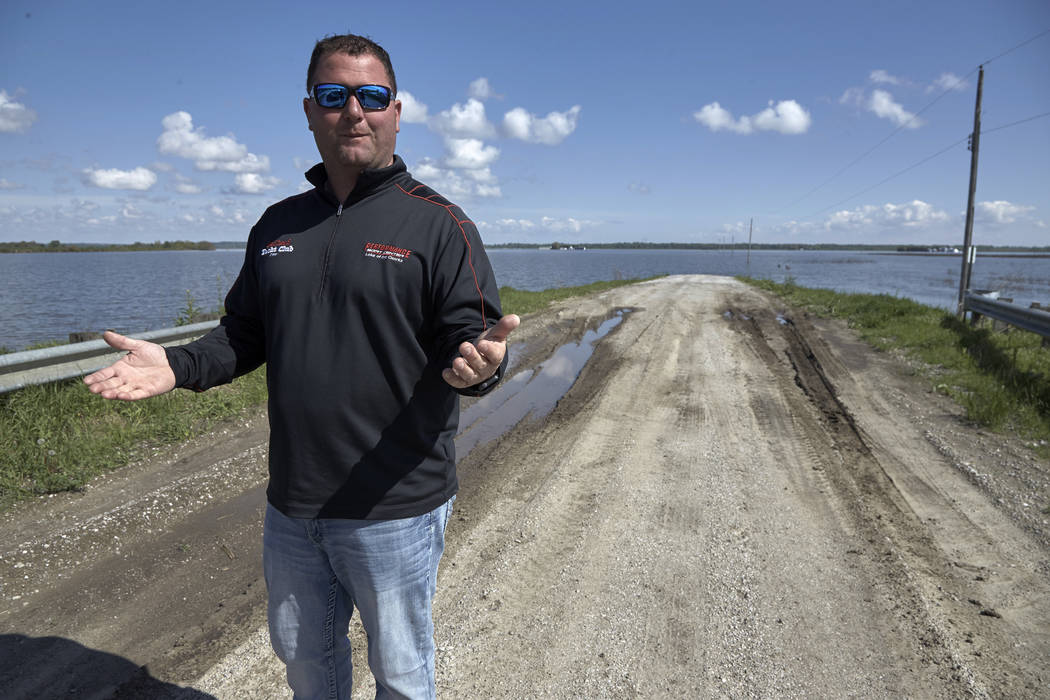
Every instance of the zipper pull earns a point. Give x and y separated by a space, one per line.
339 211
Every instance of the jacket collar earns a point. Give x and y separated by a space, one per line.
368 181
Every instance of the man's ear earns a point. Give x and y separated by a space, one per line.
306 111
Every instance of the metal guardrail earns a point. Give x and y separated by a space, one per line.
21 369
1034 320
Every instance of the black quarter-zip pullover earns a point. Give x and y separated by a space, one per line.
355 308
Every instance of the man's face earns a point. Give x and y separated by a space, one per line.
350 137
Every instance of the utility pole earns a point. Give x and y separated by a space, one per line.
750 228
975 140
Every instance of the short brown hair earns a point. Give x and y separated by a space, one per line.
351 45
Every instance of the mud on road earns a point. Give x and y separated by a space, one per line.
731 500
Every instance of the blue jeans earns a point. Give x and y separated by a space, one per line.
318 570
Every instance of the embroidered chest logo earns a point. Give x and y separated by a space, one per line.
277 247
382 251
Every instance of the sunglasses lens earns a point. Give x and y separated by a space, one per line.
331 95
373 96
335 96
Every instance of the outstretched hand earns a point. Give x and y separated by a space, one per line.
142 373
479 360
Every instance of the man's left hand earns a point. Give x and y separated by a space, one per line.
479 360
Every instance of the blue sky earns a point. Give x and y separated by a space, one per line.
575 122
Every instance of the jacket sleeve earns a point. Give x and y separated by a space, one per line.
466 299
235 347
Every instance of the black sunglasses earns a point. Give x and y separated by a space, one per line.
333 95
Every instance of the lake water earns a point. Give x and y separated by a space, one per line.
48 295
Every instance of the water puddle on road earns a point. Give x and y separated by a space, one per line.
531 393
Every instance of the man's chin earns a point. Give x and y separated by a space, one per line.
359 161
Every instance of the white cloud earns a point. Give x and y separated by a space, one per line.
914 214
517 224
447 182
119 218
639 187
853 96
113 179
84 206
948 81
130 211
1001 212
181 139
233 216
882 104
715 117
480 89
15 117
183 185
567 224
6 184
786 116
469 153
456 185
550 130
464 121
881 76
253 183
465 170
481 175
486 184
412 110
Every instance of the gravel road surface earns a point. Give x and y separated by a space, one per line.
732 500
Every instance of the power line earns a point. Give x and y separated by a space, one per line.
1019 121
897 174
929 158
868 152
904 125
1026 41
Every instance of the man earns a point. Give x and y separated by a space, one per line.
363 297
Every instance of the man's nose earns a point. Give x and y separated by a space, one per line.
352 108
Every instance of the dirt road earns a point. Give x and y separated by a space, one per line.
732 500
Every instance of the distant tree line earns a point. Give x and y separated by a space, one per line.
59 247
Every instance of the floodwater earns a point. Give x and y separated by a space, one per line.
47 296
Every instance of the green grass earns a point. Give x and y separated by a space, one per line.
57 437
1001 377
517 301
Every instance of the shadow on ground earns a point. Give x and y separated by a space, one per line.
41 668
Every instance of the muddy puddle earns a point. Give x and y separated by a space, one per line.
532 393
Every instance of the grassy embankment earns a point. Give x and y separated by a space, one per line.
1001 377
56 437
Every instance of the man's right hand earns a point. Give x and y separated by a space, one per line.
142 373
